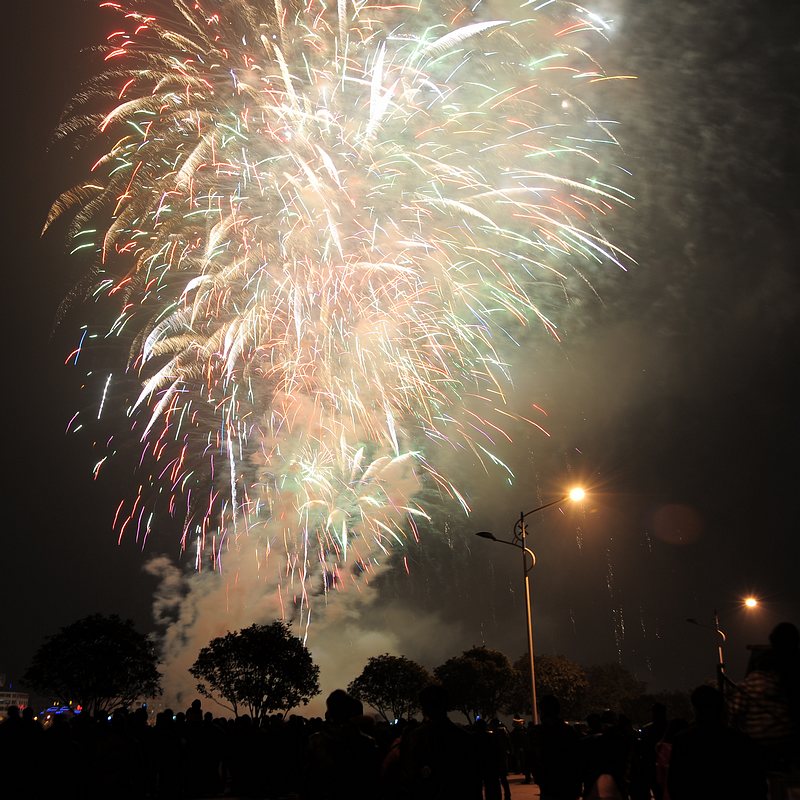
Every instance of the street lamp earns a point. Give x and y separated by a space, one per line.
720 642
748 602
528 563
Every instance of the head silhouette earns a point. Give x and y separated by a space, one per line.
434 702
341 707
708 704
549 707
785 638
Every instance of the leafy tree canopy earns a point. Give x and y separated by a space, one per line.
391 685
99 662
260 670
610 686
477 682
555 675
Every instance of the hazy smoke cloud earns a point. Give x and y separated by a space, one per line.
344 633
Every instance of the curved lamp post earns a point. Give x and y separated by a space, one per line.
528 563
748 602
722 638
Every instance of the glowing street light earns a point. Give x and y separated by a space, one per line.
574 495
751 602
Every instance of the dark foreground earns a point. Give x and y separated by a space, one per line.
349 756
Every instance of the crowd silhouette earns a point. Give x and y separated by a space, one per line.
743 747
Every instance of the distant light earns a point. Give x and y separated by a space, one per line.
577 494
750 602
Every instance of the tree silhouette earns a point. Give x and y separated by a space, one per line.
391 685
555 675
477 682
263 668
99 662
609 686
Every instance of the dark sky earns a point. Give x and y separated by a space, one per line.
670 396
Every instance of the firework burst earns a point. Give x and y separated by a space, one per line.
322 220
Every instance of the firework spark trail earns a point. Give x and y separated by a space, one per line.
323 220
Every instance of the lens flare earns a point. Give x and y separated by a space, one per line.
320 226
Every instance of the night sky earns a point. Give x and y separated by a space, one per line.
668 397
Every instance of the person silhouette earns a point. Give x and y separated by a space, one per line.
556 763
440 760
343 761
606 755
766 705
643 777
711 761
